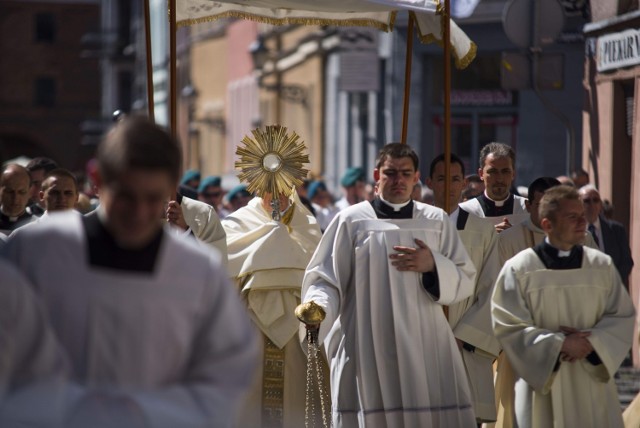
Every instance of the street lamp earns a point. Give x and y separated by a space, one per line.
259 53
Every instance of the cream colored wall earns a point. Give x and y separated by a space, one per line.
209 74
305 120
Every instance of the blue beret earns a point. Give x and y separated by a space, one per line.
189 175
351 176
236 192
314 188
212 180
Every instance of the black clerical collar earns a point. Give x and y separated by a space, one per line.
551 259
105 252
12 223
490 208
386 211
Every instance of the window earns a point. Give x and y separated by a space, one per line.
45 92
45 27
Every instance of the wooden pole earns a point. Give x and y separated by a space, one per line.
147 35
407 79
173 87
446 35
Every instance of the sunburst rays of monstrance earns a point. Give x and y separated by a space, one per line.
272 161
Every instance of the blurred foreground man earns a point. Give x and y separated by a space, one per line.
33 369
565 322
381 273
155 334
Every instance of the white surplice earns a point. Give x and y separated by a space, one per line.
518 215
32 365
526 235
510 242
176 342
470 318
204 222
529 305
394 360
267 261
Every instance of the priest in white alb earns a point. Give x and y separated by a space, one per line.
382 272
155 334
270 243
521 236
497 204
470 318
565 322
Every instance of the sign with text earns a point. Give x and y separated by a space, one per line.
618 50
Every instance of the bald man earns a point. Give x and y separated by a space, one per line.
14 197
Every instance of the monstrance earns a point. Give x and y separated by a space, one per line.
272 163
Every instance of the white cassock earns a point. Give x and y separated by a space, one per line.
526 235
32 364
517 215
529 305
510 242
394 360
205 224
470 318
176 343
267 261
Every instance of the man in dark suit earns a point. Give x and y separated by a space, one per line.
609 235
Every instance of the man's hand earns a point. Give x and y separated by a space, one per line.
503 226
175 216
413 259
576 346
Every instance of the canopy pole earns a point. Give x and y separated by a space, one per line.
407 79
446 38
147 35
173 87
446 35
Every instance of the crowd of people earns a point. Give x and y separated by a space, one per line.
171 304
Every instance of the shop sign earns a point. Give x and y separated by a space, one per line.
481 98
618 50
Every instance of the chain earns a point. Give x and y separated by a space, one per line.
313 367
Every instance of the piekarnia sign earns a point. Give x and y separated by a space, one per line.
618 50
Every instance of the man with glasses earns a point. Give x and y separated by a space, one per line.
610 236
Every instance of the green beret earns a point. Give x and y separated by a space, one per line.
212 180
314 188
236 192
189 175
352 176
